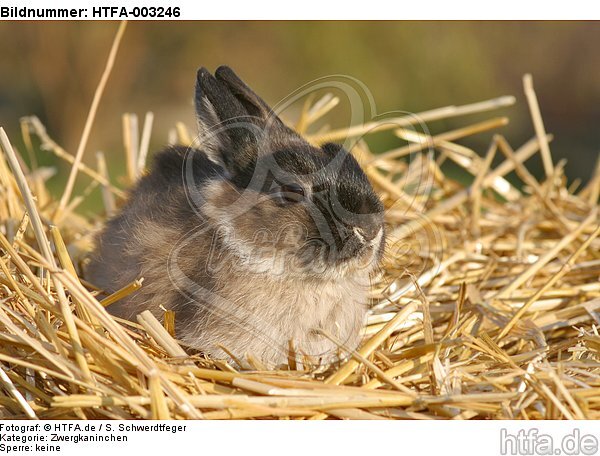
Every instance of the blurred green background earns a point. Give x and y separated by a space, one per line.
51 69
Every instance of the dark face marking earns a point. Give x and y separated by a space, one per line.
333 201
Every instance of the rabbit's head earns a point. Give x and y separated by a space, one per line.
282 206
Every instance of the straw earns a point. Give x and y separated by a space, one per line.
538 123
90 118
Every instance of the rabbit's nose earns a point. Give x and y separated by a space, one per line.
367 233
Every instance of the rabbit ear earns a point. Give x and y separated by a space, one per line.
224 123
254 105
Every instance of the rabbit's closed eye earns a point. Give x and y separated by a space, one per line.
289 193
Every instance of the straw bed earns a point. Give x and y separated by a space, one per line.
486 307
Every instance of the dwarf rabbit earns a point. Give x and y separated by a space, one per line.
254 239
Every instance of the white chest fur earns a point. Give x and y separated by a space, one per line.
260 317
